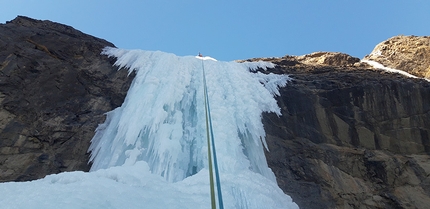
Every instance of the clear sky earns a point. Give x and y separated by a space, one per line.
234 29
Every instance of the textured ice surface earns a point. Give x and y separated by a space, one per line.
162 119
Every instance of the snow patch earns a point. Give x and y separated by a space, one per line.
378 65
135 187
206 58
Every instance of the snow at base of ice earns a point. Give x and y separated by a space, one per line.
378 65
152 153
136 187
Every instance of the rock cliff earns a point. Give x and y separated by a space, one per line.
350 136
54 89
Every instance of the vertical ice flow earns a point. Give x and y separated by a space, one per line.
162 119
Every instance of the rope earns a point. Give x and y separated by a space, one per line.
209 127
217 180
211 178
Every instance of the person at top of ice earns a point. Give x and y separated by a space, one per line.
200 55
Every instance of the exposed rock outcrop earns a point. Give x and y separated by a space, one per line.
351 137
54 89
407 53
314 59
328 58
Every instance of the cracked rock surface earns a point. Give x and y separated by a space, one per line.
350 136
54 89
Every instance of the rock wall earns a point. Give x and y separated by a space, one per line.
54 89
351 137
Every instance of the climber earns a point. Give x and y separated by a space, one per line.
200 55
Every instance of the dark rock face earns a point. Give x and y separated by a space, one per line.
54 89
351 137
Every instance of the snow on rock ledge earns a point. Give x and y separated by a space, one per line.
407 53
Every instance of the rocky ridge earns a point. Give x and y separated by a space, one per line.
350 136
408 53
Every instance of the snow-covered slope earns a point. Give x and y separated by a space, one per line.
135 187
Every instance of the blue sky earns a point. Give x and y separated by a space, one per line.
235 29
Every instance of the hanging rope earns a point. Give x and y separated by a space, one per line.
211 178
209 127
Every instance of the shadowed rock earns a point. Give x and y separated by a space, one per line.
54 89
350 137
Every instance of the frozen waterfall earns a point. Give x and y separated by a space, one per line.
162 119
152 153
